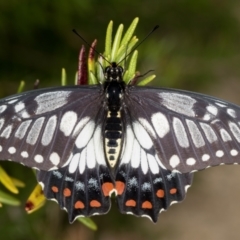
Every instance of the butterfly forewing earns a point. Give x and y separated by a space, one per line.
187 131
41 128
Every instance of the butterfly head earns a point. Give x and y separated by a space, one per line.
114 73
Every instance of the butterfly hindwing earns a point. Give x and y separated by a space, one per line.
83 186
143 187
188 131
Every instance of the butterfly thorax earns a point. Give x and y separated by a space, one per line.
114 89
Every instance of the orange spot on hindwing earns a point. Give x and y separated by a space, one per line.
54 189
147 205
120 186
160 193
131 203
79 205
67 192
107 188
173 191
95 203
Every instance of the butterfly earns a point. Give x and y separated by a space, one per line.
140 143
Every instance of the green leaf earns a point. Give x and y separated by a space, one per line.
21 87
146 80
129 33
64 77
116 43
108 41
123 52
88 222
92 78
131 67
99 69
8 199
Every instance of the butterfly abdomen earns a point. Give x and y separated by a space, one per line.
113 137
113 126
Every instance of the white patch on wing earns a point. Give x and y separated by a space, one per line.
179 103
205 157
219 153
144 162
82 161
25 114
180 133
126 157
38 158
98 146
231 112
1 148
91 160
209 133
22 129
1 123
13 101
234 152
142 136
24 154
187 187
135 158
147 126
19 107
74 163
49 130
85 135
161 124
35 131
68 122
212 109
235 130
51 101
6 132
54 158
174 161
191 161
195 134
220 104
3 108
12 150
80 125
207 117
225 135
153 165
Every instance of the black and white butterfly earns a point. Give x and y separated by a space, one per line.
141 143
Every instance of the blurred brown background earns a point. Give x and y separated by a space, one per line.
196 48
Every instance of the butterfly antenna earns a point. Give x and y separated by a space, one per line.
153 30
89 45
